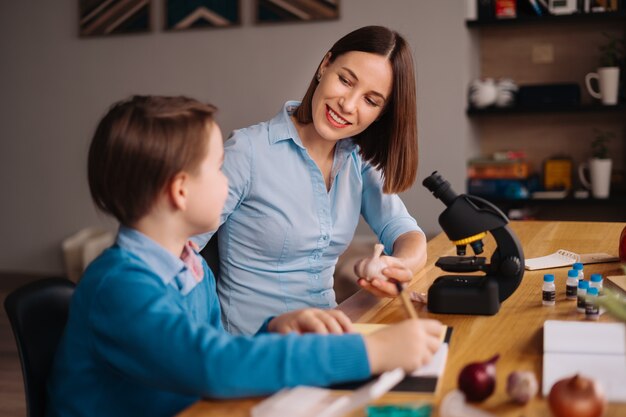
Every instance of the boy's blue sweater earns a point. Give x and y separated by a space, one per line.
135 346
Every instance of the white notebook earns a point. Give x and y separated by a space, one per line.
563 257
596 350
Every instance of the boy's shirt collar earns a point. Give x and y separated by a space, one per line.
184 274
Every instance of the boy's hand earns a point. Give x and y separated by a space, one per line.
409 345
311 320
395 271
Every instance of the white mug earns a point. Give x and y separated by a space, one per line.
608 81
600 172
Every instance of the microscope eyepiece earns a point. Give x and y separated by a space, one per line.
440 188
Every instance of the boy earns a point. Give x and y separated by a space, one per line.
144 335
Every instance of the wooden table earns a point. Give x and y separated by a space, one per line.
515 332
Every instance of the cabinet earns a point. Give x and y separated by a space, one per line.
569 45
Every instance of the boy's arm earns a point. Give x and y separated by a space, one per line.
142 335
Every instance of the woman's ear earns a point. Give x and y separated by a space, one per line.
177 191
323 65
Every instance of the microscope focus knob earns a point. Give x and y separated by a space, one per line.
510 266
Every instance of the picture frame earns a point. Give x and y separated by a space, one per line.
201 14
113 17
289 11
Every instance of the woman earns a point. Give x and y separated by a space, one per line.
298 182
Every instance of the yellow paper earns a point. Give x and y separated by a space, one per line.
367 328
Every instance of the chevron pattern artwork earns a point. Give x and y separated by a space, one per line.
107 17
276 11
193 14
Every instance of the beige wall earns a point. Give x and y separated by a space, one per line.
55 86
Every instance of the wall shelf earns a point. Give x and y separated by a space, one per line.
569 208
550 19
561 108
507 48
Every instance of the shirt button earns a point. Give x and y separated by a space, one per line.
316 276
325 237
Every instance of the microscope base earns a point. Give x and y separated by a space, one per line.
464 294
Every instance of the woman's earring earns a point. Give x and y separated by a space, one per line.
318 76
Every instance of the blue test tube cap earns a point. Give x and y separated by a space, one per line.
578 266
596 277
572 273
548 277
592 291
583 285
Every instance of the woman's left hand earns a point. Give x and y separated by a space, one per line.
395 271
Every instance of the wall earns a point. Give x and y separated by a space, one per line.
55 86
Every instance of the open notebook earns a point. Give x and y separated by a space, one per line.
423 380
563 257
596 350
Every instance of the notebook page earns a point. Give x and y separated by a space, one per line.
558 259
596 350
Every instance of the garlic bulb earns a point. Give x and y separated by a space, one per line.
521 386
372 268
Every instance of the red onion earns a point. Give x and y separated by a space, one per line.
577 397
478 380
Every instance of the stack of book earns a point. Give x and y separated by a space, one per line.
506 178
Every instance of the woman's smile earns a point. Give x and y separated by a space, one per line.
334 118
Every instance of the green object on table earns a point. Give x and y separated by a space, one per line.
400 410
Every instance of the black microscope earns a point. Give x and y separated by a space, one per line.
466 220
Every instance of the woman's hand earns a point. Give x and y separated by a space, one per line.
395 271
311 320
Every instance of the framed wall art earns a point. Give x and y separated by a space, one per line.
109 17
198 14
278 11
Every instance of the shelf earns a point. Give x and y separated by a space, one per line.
566 209
615 199
531 20
560 108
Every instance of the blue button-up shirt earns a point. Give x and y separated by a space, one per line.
282 231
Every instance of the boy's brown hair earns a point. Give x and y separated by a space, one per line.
138 148
390 143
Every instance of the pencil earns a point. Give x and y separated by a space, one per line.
408 306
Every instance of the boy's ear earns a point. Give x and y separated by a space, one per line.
177 191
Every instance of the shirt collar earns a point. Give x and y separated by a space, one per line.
281 128
160 260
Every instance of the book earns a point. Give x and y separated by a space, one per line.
487 168
306 401
594 350
423 380
535 6
616 283
563 257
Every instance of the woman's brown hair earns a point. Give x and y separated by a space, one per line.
389 143
138 148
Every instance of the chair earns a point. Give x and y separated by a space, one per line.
211 255
38 312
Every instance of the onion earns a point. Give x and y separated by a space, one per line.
478 380
577 396
372 268
521 386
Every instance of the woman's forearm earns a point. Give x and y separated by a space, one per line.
410 247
